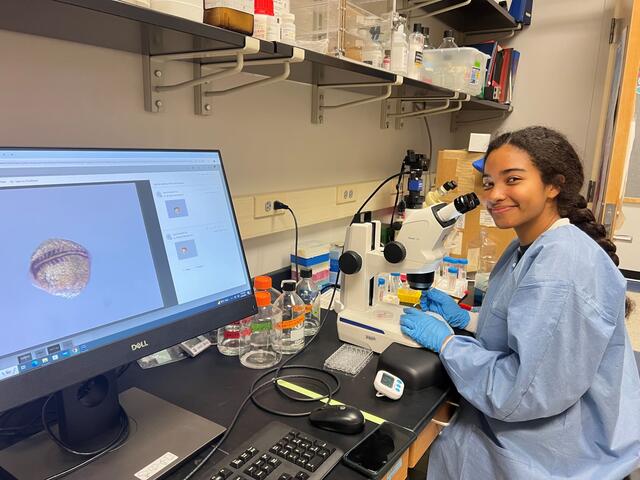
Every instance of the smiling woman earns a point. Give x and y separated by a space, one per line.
549 383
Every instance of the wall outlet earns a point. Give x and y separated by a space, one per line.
263 206
346 194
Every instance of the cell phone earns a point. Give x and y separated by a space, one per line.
379 451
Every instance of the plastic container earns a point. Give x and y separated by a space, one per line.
399 47
334 259
373 53
461 69
293 314
288 28
394 284
189 9
229 19
261 346
462 268
264 283
309 292
408 296
382 289
448 40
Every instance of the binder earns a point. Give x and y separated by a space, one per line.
517 10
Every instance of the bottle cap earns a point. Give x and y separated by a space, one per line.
417 27
306 273
395 274
262 283
447 33
288 285
463 261
263 7
448 259
425 31
403 277
381 281
387 53
263 299
453 270
454 261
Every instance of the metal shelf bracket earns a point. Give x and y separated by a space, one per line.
510 32
403 110
318 107
437 12
154 69
456 122
203 105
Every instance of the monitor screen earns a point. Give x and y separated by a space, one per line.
100 246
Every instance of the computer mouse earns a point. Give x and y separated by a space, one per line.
338 418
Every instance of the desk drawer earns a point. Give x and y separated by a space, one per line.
430 433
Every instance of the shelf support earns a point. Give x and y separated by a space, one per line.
317 97
510 32
204 107
455 122
402 112
154 69
442 10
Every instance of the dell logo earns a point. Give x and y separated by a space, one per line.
139 345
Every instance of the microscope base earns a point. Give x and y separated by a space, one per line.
376 328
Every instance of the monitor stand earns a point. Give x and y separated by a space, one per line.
161 435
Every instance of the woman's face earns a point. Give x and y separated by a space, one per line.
514 192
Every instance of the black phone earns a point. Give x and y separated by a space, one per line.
378 452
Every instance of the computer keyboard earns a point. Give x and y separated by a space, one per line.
279 452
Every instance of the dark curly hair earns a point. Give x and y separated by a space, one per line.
559 165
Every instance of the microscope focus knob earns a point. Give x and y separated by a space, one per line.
394 252
350 262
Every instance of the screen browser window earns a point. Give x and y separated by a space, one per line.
100 245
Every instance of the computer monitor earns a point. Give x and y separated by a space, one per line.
109 255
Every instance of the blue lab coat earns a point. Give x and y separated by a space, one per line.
551 389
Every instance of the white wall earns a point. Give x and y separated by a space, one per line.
561 72
55 93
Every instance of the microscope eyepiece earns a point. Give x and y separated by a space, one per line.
460 206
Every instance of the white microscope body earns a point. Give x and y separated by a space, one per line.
417 251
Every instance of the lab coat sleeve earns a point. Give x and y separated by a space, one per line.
556 338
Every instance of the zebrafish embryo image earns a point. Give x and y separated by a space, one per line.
60 267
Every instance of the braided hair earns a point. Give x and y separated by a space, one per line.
560 166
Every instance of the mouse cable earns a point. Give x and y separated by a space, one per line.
274 380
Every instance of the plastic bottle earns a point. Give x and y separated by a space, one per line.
261 347
288 28
386 61
444 266
448 40
373 53
416 46
452 278
265 25
403 281
382 289
293 312
309 292
462 268
437 195
264 283
427 59
399 46
394 284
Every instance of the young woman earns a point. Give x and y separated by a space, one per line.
549 383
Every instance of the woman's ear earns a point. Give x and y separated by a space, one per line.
554 188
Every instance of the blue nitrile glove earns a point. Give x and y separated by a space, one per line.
434 300
425 329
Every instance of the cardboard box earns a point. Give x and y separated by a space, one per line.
457 165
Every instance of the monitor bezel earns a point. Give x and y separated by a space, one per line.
40 382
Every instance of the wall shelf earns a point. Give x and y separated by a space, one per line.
465 16
155 35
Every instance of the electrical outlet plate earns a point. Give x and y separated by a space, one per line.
263 206
346 194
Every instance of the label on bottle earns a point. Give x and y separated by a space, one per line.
294 322
308 308
260 326
418 58
475 76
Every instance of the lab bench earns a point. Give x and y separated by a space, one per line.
213 386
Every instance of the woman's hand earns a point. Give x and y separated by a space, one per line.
425 329
433 300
